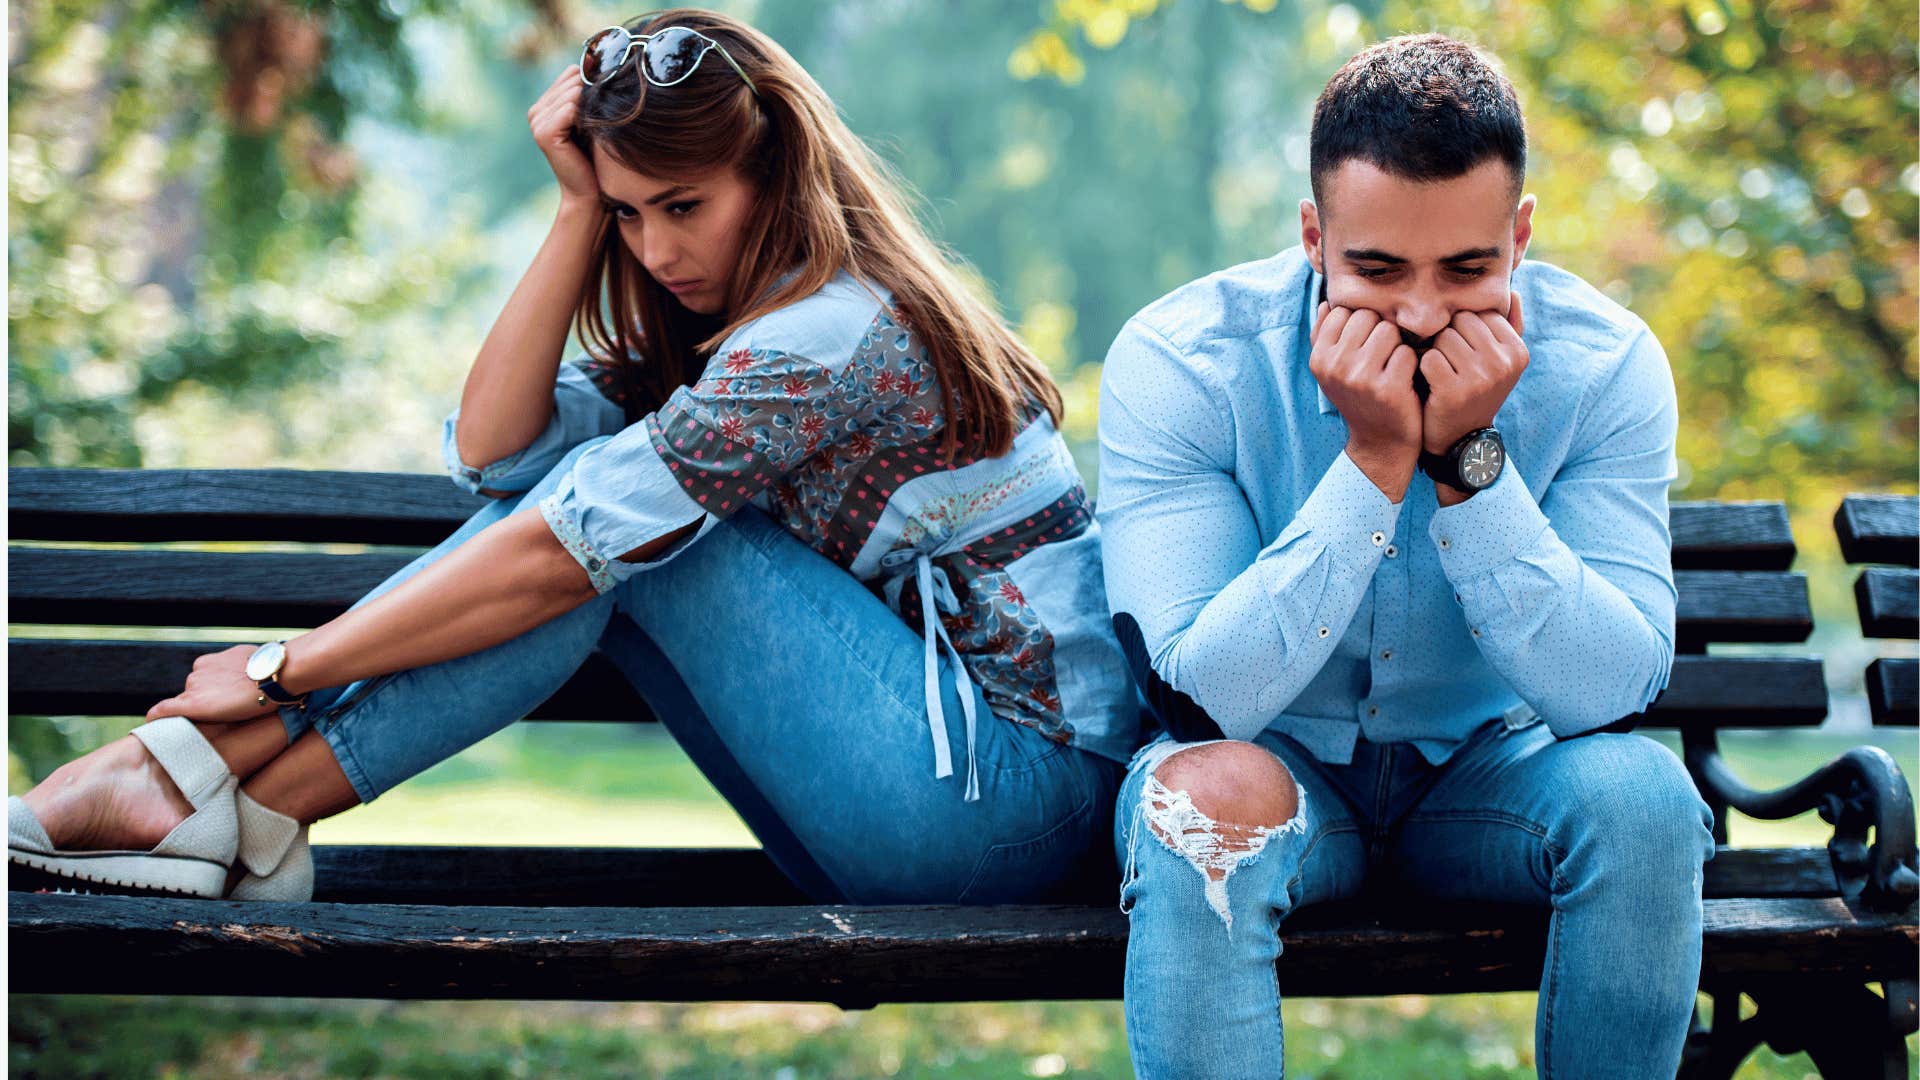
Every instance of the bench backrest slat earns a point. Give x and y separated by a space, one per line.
299 589
1879 529
420 510
1889 602
121 678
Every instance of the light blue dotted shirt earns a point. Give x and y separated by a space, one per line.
1274 586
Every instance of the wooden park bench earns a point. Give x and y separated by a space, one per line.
1804 932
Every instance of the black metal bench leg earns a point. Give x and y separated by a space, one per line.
1846 1029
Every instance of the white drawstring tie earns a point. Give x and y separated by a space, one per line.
936 592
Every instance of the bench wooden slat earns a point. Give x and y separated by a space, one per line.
722 877
190 588
1879 529
1730 536
851 955
1889 602
60 677
124 678
420 509
215 588
1893 691
234 504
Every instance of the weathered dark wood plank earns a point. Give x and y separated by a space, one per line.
720 877
1741 692
551 876
1893 691
123 678
189 588
1730 536
234 504
854 955
1889 602
1750 605
420 509
1879 529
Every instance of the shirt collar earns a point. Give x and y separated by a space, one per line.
1316 292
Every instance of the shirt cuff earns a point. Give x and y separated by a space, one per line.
465 475
606 508
1489 530
1349 514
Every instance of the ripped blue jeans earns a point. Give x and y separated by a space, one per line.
798 694
1606 829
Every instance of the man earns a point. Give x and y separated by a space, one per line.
1386 540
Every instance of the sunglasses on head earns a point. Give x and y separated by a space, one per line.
667 56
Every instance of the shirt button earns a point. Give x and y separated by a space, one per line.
1446 544
1386 654
1373 710
1379 538
1324 631
594 565
1392 551
1475 629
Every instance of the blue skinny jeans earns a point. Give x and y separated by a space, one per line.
1606 829
798 694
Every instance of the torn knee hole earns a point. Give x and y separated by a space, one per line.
1240 781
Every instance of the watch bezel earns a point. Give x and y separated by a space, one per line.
266 660
1458 454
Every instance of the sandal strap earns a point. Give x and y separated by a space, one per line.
195 767
265 834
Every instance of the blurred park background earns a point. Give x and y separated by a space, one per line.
252 233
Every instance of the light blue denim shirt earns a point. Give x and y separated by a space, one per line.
1267 583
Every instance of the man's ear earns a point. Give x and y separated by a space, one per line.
1522 228
1310 237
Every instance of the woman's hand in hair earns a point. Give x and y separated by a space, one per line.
552 118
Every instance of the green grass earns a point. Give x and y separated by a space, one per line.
629 785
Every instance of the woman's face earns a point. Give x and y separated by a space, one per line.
685 233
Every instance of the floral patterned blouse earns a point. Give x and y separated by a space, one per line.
827 416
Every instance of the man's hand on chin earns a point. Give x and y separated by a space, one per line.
1472 367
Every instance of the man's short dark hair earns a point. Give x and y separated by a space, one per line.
1419 107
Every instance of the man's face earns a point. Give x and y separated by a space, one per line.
1417 253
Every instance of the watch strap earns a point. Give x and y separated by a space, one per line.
271 689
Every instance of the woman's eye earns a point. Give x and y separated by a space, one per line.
682 209
624 213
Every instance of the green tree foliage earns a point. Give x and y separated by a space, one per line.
1741 174
186 213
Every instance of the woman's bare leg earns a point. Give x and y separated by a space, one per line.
305 783
118 798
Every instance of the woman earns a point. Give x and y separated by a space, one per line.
806 491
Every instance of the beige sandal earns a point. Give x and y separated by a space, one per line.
192 860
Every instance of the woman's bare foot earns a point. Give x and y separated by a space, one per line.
116 798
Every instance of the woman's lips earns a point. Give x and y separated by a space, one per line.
679 288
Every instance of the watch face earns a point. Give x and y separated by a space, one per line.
1481 460
265 660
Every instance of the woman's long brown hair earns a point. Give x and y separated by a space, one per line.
824 202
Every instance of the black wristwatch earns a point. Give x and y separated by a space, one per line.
1470 465
263 667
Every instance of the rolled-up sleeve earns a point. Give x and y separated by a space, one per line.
753 418
581 411
1232 627
1587 571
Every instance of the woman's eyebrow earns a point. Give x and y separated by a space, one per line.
669 193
